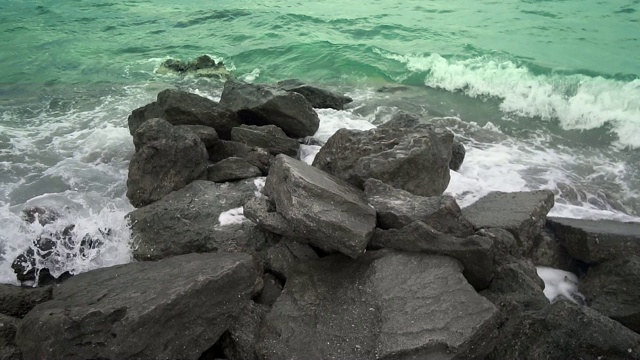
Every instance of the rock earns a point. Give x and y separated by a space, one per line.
203 66
187 221
521 213
318 98
42 214
320 209
613 289
564 330
171 309
183 108
397 208
402 120
268 137
415 160
383 305
16 301
283 256
595 241
265 105
8 348
231 169
457 155
206 134
263 213
550 253
255 156
271 290
475 253
239 343
516 285
168 160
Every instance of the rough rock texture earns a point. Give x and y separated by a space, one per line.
613 289
457 155
206 134
474 252
383 305
549 252
397 208
264 105
318 98
415 160
239 342
268 137
17 301
595 241
271 290
230 169
169 158
319 208
283 256
183 108
170 309
521 213
186 221
515 286
255 156
8 348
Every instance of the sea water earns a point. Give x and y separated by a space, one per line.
545 94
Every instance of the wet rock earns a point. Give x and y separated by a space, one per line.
206 134
264 105
171 309
283 256
8 348
169 158
457 155
271 290
550 253
43 215
17 301
239 342
203 66
263 213
231 169
255 156
318 98
516 285
268 137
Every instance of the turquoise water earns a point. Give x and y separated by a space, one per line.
545 94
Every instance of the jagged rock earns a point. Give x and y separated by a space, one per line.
206 134
183 108
521 213
318 98
415 160
16 301
383 305
318 208
515 286
595 241
550 253
265 105
613 289
42 214
230 169
262 212
239 342
171 309
474 252
255 156
203 66
169 158
268 137
271 290
397 208
187 221
8 348
281 257
457 155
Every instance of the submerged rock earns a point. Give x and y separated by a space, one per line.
203 66
318 98
42 214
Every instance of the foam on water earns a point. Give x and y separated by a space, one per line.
232 216
560 283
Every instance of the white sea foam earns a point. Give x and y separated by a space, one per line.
232 216
332 120
560 283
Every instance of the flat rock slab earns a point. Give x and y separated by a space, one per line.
171 309
383 305
521 213
594 241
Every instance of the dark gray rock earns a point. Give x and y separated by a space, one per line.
8 348
186 221
550 253
595 241
203 66
475 253
17 301
457 155
318 98
239 342
564 330
613 289
183 108
264 105
397 208
255 156
383 305
516 286
231 169
268 137
171 309
262 212
402 120
206 134
521 213
283 256
169 158
320 209
415 160
271 290
42 214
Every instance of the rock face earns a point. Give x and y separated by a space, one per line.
255 156
206 134
238 343
183 108
283 256
187 221
231 169
265 105
415 160
171 309
597 241
320 209
383 305
521 213
269 137
458 153
8 348
17 301
318 98
169 158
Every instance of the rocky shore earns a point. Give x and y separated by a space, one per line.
243 251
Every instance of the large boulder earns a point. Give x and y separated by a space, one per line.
188 220
318 208
415 160
383 305
206 134
17 301
168 159
231 169
256 156
171 309
521 213
595 241
269 137
265 105
318 98
183 108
